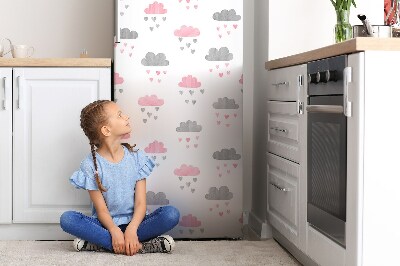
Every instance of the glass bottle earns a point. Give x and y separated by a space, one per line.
343 30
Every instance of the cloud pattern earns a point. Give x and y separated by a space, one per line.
226 154
185 31
189 221
155 8
152 100
151 59
225 103
226 15
222 54
222 193
156 199
155 147
189 82
189 126
187 170
126 33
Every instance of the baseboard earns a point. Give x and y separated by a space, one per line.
260 228
292 249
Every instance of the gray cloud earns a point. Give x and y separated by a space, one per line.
226 15
225 103
155 60
126 33
189 126
219 194
156 199
226 154
222 54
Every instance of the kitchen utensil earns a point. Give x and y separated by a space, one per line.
368 30
22 51
2 53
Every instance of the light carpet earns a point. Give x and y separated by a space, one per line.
218 252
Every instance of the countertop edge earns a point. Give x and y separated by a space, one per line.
55 62
347 47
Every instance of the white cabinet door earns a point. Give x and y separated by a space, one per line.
48 141
5 146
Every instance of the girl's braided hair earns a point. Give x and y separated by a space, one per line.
93 117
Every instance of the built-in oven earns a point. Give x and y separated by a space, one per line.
327 148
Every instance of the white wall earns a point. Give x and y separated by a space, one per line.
303 25
59 28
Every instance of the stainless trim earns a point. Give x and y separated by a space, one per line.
5 93
279 187
346 80
336 109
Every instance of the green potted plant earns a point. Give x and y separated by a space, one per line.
343 30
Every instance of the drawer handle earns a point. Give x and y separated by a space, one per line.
280 129
279 187
284 83
5 93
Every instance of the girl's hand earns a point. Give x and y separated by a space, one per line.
118 241
132 244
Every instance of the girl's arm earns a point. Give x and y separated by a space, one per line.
140 204
105 218
132 244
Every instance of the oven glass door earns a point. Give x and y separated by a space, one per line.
326 167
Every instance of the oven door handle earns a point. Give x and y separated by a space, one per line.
335 109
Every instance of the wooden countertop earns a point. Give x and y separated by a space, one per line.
348 47
55 62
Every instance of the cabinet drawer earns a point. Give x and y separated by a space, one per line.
283 83
283 196
283 130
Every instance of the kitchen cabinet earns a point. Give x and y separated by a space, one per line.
285 124
371 108
42 144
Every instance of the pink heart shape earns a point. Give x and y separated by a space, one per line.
151 79
225 164
217 66
221 75
125 44
158 72
130 54
187 139
122 50
180 139
228 72
165 72
227 125
195 6
226 116
226 64
211 209
218 167
235 165
221 213
188 1
235 115
220 175
217 205
235 26
211 70
217 114
228 171
187 146
132 46
225 25
196 145
229 32
197 137
148 71
218 28
218 122
159 80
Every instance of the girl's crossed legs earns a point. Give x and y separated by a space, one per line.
90 229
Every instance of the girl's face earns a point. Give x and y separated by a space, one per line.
117 123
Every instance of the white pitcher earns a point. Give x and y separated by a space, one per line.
2 47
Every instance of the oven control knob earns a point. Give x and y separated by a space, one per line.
314 78
324 76
333 76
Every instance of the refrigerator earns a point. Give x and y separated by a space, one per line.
178 74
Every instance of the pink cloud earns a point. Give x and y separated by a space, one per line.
189 82
185 170
155 147
118 79
187 32
241 80
189 221
150 101
155 8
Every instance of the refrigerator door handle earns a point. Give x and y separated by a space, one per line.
116 8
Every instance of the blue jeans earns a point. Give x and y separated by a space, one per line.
90 229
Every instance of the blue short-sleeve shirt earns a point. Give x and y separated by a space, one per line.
118 178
